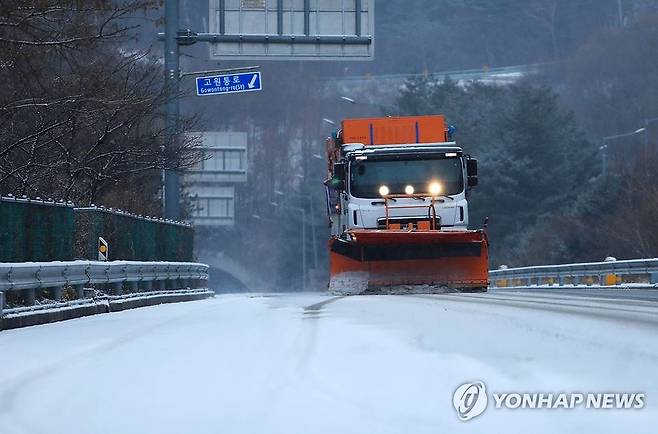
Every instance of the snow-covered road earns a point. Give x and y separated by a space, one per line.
307 363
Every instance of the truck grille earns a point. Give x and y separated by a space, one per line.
404 221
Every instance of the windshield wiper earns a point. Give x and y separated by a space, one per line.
381 202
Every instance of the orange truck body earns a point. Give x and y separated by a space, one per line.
395 131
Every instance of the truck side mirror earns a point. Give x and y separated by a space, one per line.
335 184
472 171
338 175
340 171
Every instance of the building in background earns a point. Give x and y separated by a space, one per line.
211 183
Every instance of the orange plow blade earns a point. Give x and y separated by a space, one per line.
381 261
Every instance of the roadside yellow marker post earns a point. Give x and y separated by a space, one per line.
612 280
103 249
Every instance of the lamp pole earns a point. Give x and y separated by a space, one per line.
303 249
647 124
308 197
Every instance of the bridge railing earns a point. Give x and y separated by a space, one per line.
32 277
607 273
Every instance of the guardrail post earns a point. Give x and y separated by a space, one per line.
30 296
2 306
147 285
57 293
653 278
134 286
79 291
117 288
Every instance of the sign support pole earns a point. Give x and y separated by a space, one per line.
171 188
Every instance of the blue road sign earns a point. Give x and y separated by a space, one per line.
228 83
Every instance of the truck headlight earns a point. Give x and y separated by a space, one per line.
383 190
409 189
435 188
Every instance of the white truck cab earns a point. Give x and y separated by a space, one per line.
402 185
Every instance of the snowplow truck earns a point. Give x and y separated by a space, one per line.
397 203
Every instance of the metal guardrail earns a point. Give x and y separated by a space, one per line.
30 277
608 273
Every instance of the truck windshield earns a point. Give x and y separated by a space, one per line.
367 176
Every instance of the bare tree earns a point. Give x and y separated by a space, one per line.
80 115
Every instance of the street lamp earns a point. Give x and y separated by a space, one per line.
356 102
604 147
